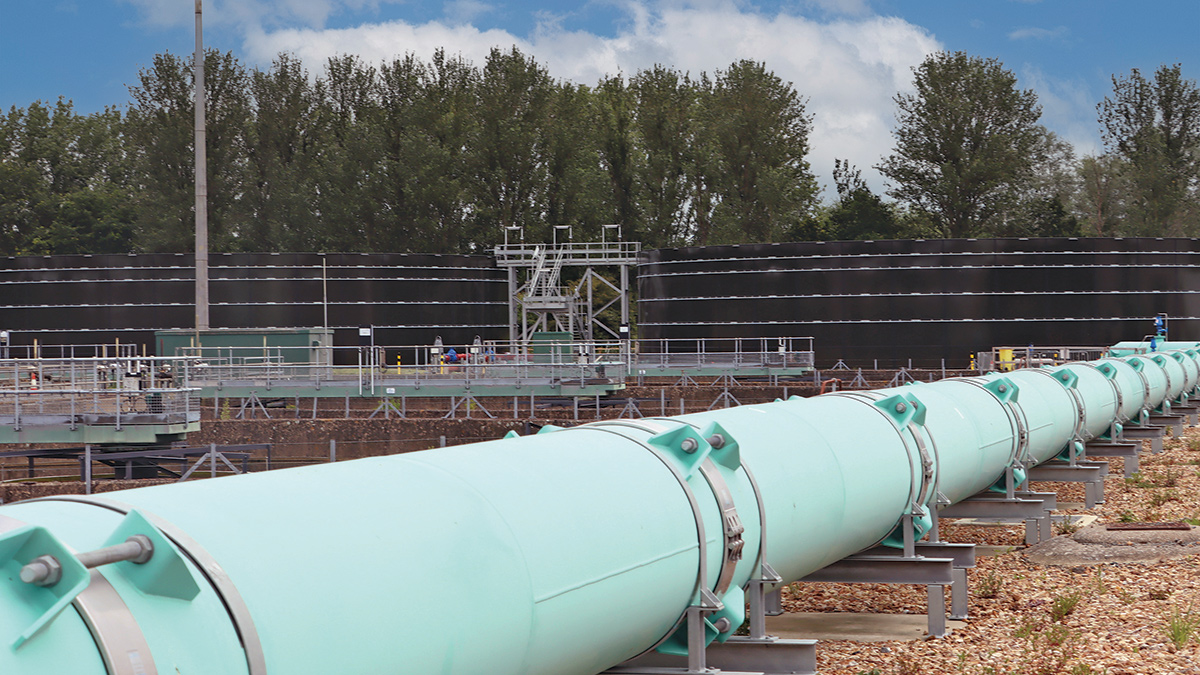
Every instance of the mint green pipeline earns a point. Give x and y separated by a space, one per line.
562 553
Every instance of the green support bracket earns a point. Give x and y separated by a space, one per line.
683 444
1003 389
725 450
166 573
903 409
43 603
1066 377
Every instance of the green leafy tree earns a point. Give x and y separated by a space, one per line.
576 187
858 213
349 153
62 182
280 187
1041 207
619 151
758 130
1101 200
509 181
447 122
1154 125
160 135
965 142
665 106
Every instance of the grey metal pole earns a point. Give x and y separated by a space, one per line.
201 180
333 449
87 469
513 337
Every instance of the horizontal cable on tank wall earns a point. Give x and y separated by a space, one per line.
415 326
317 303
825 322
215 279
910 295
926 254
156 268
945 268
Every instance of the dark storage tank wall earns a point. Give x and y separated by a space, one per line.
923 300
410 299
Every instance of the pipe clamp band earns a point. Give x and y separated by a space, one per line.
702 540
209 568
1015 413
918 492
1112 381
732 527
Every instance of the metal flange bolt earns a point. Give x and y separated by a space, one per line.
717 441
46 570
689 445
43 571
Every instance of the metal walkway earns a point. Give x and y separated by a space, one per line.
94 401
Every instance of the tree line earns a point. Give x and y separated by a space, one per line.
445 156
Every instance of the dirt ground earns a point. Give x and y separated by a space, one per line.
1077 617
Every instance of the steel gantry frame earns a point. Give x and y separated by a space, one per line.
539 301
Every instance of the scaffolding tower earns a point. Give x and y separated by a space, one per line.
538 300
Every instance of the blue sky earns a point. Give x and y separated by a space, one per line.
848 57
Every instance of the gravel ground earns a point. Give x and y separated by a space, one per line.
1030 619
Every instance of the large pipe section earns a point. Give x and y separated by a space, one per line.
562 553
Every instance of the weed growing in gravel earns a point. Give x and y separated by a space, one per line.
989 585
1029 626
1084 669
1192 521
1066 526
1126 516
1101 588
1064 604
1126 597
873 671
1193 444
1138 479
1181 626
1048 652
1160 498
1158 595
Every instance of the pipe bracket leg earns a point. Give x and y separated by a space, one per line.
937 610
959 595
1132 466
1031 531
773 603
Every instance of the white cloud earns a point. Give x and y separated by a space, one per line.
1038 33
849 69
1068 108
